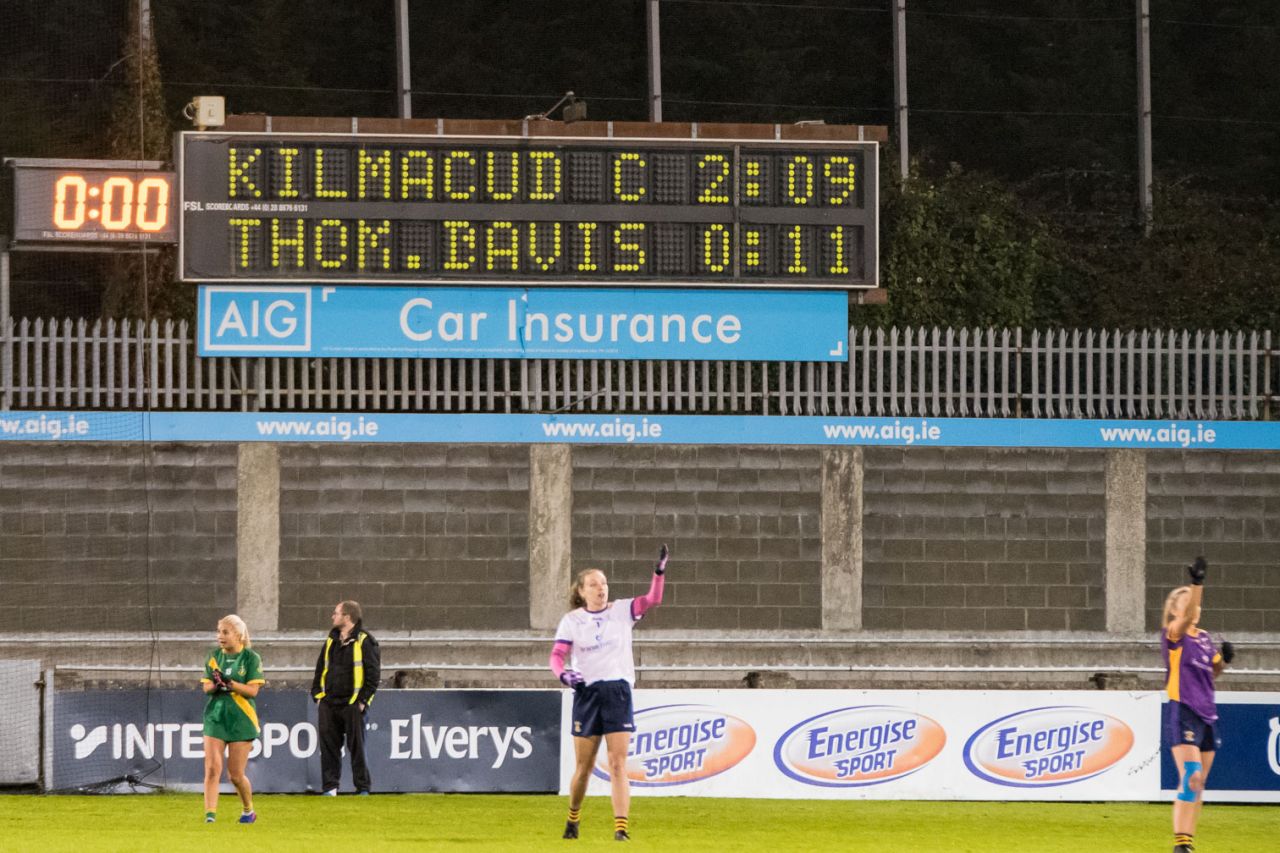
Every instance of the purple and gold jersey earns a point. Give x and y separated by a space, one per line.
1189 671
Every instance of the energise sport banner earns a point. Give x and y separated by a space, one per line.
923 745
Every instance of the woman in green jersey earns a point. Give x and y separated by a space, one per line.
232 678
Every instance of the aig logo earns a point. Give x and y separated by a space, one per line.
251 320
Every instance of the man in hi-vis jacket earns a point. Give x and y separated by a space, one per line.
346 678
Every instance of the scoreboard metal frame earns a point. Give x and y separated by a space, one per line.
818 227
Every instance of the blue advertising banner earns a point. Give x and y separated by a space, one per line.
415 740
1249 759
634 429
498 322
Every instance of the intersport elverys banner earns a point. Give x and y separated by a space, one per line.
911 745
415 740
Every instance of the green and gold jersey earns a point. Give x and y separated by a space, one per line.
229 716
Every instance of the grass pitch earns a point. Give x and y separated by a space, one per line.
160 823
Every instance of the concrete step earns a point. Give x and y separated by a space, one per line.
676 659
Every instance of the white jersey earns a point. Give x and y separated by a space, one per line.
601 642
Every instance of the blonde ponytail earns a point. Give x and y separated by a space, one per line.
237 625
1172 601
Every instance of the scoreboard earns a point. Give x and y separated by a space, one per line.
91 203
323 208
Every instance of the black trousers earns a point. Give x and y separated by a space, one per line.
339 722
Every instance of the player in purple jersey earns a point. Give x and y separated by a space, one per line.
592 654
1190 716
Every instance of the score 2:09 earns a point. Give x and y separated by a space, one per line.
118 203
787 179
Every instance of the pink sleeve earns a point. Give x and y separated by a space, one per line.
559 655
651 599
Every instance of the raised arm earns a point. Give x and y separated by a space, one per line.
1183 621
652 598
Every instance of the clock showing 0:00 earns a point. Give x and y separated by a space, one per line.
58 201
118 203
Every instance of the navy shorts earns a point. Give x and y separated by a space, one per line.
1183 727
603 708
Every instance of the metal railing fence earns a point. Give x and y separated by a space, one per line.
911 372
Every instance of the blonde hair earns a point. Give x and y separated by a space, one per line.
237 625
1171 601
575 590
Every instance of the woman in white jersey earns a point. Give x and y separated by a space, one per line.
592 655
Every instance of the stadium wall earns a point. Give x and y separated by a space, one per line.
1226 505
124 537
984 539
765 538
426 536
440 537
744 522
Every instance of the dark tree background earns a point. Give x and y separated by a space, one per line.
1020 211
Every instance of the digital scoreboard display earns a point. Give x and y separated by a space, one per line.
91 202
542 210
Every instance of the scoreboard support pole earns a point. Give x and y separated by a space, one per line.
900 83
6 336
652 18
404 87
1146 201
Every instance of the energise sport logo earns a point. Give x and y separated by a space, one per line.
1042 747
863 745
679 744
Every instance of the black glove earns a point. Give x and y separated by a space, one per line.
572 678
220 683
661 566
1197 570
1228 651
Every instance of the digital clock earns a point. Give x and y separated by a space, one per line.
92 201
528 210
